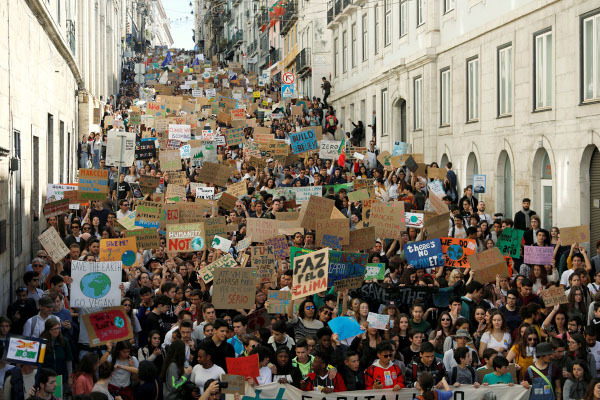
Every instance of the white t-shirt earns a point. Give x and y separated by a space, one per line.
266 376
564 278
596 353
493 343
200 375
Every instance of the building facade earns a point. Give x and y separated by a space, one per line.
58 58
506 89
159 30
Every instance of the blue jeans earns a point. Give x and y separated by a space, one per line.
83 160
96 160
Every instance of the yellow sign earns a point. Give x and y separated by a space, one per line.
256 94
124 250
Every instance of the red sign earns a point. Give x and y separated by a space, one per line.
457 250
244 366
288 78
110 324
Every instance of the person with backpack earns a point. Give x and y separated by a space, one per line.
542 376
383 374
427 363
463 373
331 123
425 385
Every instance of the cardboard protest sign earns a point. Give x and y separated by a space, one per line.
553 296
234 288
238 189
385 159
128 221
263 257
437 173
135 118
146 239
234 136
177 178
258 319
378 321
316 208
124 250
310 273
388 219
93 184
436 194
169 215
244 366
180 132
227 201
148 215
262 229
148 184
334 227
53 244
358 195
343 265
375 271
184 238
437 226
537 255
329 149
304 141
214 173
236 384
574 234
244 244
280 246
207 273
487 264
425 254
24 350
220 243
170 160
457 250
361 239
109 325
332 241
288 223
279 300
348 283
175 193
56 208
414 220
145 149
303 193
509 242
205 192
96 284
120 148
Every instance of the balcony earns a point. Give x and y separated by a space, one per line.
303 61
238 38
274 56
329 15
338 7
71 35
289 18
252 47
338 10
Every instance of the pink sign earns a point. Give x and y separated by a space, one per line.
536 255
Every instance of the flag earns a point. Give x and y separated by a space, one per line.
167 60
342 153
196 62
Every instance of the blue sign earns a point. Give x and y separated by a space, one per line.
304 141
344 265
288 91
400 148
425 254
345 327
479 184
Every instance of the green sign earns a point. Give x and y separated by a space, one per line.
297 251
375 270
509 242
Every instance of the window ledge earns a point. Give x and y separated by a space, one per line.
504 116
445 126
472 121
542 109
418 130
588 102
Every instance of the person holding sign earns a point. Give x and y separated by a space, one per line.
384 374
58 351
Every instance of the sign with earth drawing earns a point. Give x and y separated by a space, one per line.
110 324
96 284
124 250
457 250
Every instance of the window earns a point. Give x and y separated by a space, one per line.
445 97
403 17
50 148
384 108
353 39
505 80
344 51
542 45
387 29
420 12
376 28
365 38
18 196
418 103
591 58
448 6
335 57
473 89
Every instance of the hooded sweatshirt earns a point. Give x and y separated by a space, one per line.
389 376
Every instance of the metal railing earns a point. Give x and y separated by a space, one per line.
347 3
289 17
238 38
329 15
338 7
303 60
71 35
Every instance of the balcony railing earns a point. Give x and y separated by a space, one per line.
338 7
238 38
303 61
329 15
347 3
71 35
274 56
252 47
289 17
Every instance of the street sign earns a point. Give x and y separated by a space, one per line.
140 79
140 68
288 78
288 91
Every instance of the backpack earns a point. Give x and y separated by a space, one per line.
415 369
435 396
454 373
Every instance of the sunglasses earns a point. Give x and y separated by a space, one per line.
310 307
446 319
531 339
386 355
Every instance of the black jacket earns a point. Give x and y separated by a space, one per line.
520 220
353 380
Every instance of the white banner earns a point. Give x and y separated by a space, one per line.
120 148
303 193
96 284
276 391
329 149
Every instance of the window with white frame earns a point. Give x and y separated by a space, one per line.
376 28
344 51
445 96
448 5
473 89
418 103
403 17
591 58
335 57
505 78
365 37
384 110
543 69
353 44
387 28
420 12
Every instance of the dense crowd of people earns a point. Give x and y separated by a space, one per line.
489 333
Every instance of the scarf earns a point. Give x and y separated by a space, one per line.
527 216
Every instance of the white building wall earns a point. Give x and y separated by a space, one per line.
478 28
